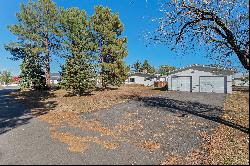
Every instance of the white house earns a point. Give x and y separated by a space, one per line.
141 78
200 78
159 78
238 79
55 78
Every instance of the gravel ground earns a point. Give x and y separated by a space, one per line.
175 121
150 129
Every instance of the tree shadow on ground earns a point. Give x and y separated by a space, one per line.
107 88
182 108
165 88
70 94
18 109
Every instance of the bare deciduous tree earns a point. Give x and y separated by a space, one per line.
222 26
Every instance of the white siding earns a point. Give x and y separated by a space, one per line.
195 74
54 81
229 84
140 80
238 82
162 79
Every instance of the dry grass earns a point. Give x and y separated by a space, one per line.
72 119
66 110
172 160
127 127
170 126
60 100
101 99
150 145
79 143
226 146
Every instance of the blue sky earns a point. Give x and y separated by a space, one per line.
136 16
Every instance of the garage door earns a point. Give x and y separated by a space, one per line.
182 83
212 84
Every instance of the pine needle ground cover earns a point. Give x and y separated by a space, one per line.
105 124
230 146
227 145
58 109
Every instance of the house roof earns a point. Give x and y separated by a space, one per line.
15 78
55 76
240 75
215 70
142 75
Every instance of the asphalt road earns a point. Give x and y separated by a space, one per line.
26 140
12 113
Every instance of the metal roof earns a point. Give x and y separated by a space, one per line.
240 75
215 70
142 75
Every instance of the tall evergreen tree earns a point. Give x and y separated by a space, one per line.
165 69
5 77
32 74
78 74
37 25
147 67
112 48
137 66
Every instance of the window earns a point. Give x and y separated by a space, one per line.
132 80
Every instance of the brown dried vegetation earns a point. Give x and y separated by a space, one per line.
227 145
68 108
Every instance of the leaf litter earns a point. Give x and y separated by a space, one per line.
67 112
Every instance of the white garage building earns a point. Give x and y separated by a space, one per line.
198 78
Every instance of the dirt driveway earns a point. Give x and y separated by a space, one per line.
145 130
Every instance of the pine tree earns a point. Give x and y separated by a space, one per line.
32 74
165 69
147 67
78 74
137 66
5 77
25 81
112 48
37 25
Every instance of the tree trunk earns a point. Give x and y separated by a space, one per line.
243 58
102 61
227 35
242 55
47 70
230 37
47 64
102 73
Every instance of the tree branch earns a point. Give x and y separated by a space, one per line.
229 36
183 28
